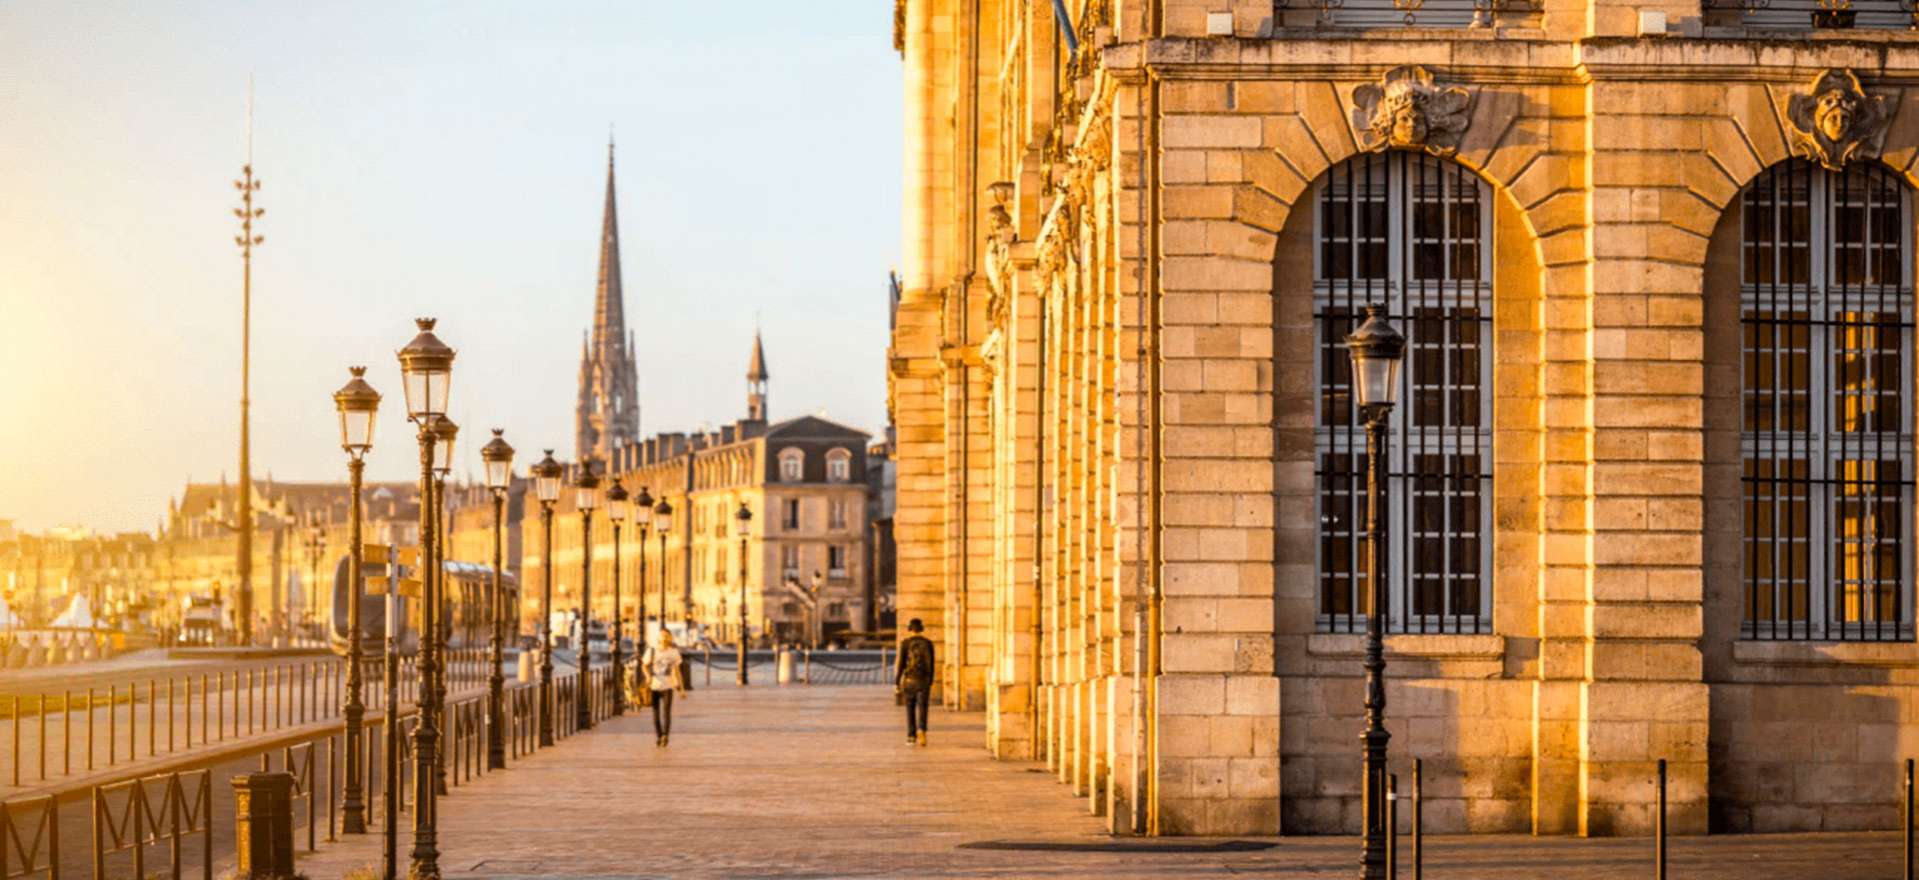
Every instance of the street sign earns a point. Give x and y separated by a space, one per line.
409 587
376 554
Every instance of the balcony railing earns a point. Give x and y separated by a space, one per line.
1365 14
1814 14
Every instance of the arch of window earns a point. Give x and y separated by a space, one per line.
1412 233
839 465
1826 434
792 465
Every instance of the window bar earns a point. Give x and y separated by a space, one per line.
1840 589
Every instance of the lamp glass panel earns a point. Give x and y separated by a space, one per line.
547 487
642 513
1378 380
499 474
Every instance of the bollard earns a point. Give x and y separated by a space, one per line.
1419 864
708 650
1659 827
1392 826
786 666
263 826
807 674
1907 814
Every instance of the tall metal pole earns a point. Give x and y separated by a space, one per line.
247 241
496 679
619 631
583 704
1375 738
546 627
390 819
426 854
640 649
743 676
353 820
441 624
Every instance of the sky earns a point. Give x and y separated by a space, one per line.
441 159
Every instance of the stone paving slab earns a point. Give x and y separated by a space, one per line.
817 782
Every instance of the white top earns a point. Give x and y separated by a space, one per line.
663 668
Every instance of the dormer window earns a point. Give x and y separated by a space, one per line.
792 465
839 466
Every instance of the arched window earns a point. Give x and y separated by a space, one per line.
839 466
792 465
1825 436
1412 233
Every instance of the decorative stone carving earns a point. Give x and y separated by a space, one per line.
999 244
1836 120
1406 110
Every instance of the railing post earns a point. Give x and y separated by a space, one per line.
90 714
1392 826
1906 813
1419 865
1659 826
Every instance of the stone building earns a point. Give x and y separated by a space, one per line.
804 479
1651 490
195 553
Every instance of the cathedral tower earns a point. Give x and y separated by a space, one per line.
608 412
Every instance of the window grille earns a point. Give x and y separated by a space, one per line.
1410 232
1825 433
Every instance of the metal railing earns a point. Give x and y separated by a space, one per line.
1364 14
136 824
1814 14
38 853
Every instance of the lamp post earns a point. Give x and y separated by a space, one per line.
587 488
546 484
315 544
663 524
357 403
498 456
426 368
616 499
643 520
742 521
444 434
1376 348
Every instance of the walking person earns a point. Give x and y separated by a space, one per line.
913 679
663 674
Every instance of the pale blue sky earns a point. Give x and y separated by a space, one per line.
442 159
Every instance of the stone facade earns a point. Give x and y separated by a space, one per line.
1103 378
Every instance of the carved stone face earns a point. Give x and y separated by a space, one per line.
1834 114
1406 118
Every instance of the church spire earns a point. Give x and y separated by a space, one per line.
756 376
609 307
608 414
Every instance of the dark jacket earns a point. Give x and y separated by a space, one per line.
914 670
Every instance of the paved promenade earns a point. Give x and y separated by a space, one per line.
816 782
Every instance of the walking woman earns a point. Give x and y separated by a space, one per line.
663 674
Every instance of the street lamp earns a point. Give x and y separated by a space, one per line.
587 488
426 371
445 432
616 499
663 524
546 485
1376 348
742 521
357 404
498 456
643 519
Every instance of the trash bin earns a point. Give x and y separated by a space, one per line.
263 826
